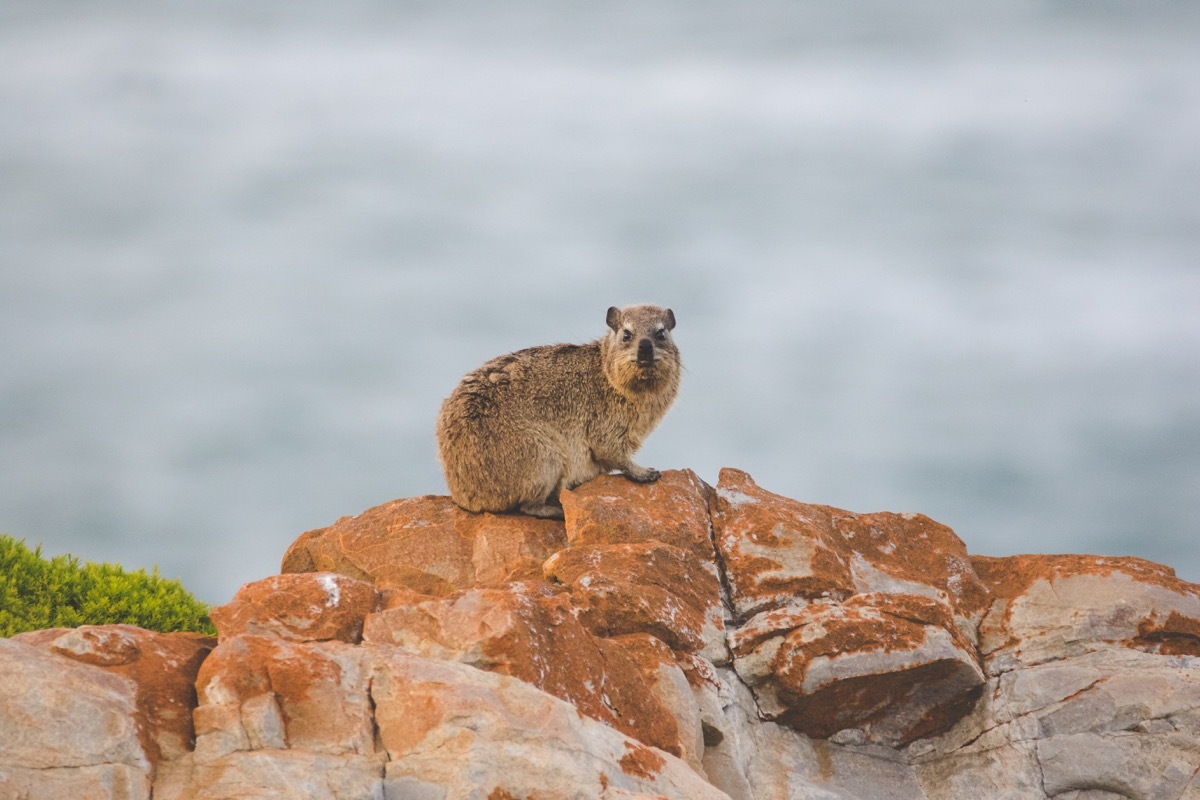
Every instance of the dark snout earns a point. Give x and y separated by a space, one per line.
645 356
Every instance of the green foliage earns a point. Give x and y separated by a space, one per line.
61 592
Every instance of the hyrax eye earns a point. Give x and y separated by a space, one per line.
626 335
661 335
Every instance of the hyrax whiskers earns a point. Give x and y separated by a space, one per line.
524 426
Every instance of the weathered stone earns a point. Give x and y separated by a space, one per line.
777 550
614 510
55 712
711 694
163 669
766 761
100 782
1080 723
531 633
1093 692
644 588
441 724
864 622
273 774
260 693
665 678
911 554
1009 770
1163 765
408 542
428 545
509 547
312 606
894 667
1053 607
452 731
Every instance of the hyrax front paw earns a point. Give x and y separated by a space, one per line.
642 474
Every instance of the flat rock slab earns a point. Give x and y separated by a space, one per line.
428 545
56 712
304 607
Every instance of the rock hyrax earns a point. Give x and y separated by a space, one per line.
526 425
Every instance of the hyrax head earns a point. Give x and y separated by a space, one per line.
641 335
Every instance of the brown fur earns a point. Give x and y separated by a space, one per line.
524 426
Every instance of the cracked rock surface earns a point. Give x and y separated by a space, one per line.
667 640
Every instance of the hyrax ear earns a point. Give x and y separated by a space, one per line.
670 320
614 318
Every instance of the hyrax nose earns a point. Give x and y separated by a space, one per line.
645 350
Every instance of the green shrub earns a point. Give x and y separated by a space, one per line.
61 592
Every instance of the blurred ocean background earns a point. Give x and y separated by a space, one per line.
925 256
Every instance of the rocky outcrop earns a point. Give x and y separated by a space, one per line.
667 640
1093 685
865 623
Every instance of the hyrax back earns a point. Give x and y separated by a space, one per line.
524 426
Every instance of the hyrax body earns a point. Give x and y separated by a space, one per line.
524 426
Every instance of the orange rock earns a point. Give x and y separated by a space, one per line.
853 621
892 666
398 598
668 675
912 554
509 547
531 633
1177 635
1048 607
428 545
777 549
302 607
614 510
162 667
640 762
408 542
650 587
453 731
264 692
